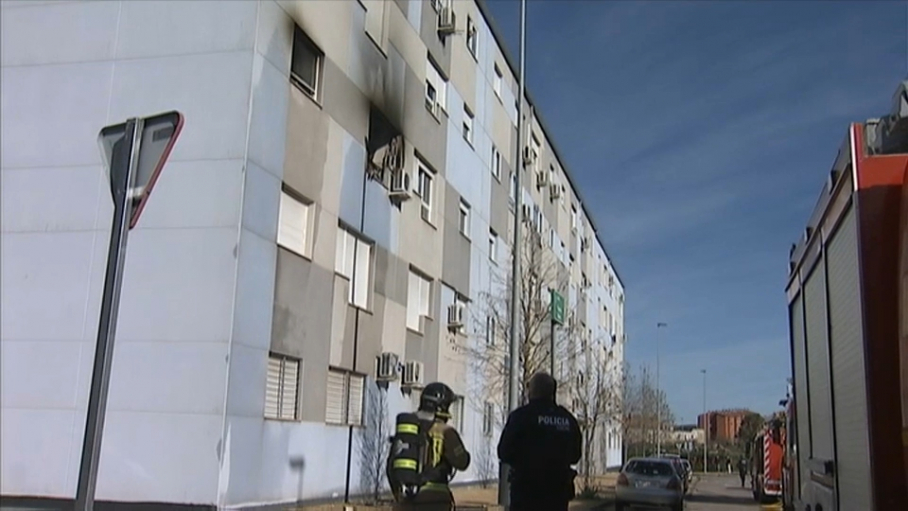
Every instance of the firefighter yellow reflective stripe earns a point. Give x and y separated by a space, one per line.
408 428
435 487
405 464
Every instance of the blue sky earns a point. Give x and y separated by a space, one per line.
700 134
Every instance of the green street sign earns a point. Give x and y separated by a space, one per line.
557 304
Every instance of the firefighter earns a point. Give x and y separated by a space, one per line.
442 453
540 442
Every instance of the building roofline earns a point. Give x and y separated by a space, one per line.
509 60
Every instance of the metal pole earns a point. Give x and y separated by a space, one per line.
552 346
705 425
514 386
124 160
658 395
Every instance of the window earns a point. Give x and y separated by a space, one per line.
467 125
491 325
305 63
457 414
513 193
419 294
496 163
493 245
282 387
344 405
496 81
354 262
436 89
471 36
293 225
488 419
464 219
574 218
424 189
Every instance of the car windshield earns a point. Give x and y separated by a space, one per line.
650 468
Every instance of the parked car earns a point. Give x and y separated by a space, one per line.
682 469
649 482
689 469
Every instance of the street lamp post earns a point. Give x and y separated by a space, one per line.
705 425
658 395
514 348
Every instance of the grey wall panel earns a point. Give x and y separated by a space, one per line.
456 252
818 364
849 376
301 326
307 146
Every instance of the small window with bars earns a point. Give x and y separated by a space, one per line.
282 388
346 391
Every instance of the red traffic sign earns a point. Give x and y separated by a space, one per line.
143 157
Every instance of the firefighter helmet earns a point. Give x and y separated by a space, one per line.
437 398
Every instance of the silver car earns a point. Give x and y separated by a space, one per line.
649 482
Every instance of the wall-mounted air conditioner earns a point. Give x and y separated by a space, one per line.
413 374
529 157
455 316
387 366
447 21
542 179
399 186
555 191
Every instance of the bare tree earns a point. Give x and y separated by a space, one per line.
486 462
487 348
597 401
642 402
373 442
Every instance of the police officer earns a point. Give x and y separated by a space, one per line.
540 442
445 453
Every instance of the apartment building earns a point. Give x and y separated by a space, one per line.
340 198
723 425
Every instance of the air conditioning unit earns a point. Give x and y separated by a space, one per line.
529 157
399 187
542 178
455 316
387 366
412 375
555 191
527 213
447 21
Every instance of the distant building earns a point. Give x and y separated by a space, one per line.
687 436
723 425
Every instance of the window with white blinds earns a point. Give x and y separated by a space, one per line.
419 291
282 388
293 225
341 386
354 261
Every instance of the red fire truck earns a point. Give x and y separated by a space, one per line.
767 451
849 375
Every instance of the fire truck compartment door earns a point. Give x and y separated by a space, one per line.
848 374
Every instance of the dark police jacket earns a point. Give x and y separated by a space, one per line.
540 442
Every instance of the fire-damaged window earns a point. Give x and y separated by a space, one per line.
305 63
385 154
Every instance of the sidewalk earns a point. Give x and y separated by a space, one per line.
476 498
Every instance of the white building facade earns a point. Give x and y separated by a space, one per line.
294 278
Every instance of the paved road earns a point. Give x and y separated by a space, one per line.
720 492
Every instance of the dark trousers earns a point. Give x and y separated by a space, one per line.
742 479
427 500
537 503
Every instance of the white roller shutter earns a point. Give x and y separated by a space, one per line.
293 225
849 376
336 399
273 388
818 364
355 406
289 389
